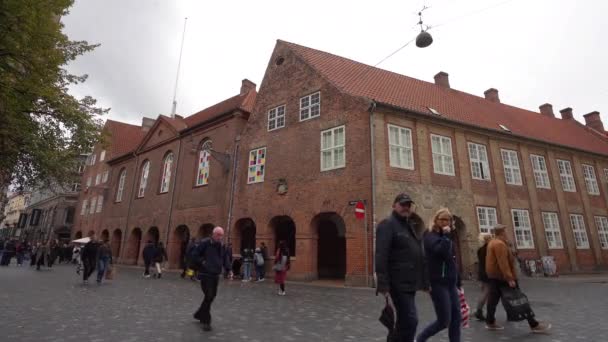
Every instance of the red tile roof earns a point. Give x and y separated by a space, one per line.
123 137
243 102
411 94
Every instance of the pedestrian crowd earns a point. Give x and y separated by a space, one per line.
38 254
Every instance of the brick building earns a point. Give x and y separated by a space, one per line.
325 131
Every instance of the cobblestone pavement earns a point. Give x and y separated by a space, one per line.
52 305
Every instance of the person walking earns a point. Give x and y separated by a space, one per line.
34 253
444 278
89 258
104 258
20 252
148 254
500 268
247 256
211 259
42 254
482 276
160 256
400 263
258 259
281 266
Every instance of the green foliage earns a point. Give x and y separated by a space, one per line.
42 127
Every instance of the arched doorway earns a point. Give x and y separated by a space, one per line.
105 235
134 246
153 235
331 246
205 230
78 235
284 230
115 243
177 246
245 230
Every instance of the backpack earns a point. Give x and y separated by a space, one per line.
259 259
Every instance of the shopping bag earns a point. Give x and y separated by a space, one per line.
388 318
110 273
516 304
465 310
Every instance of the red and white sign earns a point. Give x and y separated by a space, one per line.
360 210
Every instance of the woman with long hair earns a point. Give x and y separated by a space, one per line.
281 266
443 276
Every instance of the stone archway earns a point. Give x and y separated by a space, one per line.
177 246
284 229
331 245
205 230
105 235
245 233
115 243
134 245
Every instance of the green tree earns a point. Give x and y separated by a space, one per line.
42 127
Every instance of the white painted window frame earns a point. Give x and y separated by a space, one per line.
276 115
487 218
522 228
401 152
480 165
591 180
121 185
510 163
308 107
443 159
333 148
601 223
566 175
581 240
144 174
553 233
540 171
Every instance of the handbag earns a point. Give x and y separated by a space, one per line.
516 304
278 267
388 318
465 310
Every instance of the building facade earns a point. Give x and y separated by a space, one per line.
323 133
11 226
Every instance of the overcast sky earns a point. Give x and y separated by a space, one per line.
533 52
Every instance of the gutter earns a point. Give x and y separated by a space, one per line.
372 108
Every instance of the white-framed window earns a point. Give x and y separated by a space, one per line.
566 175
143 179
310 106
121 185
510 163
590 180
523 229
166 177
88 181
541 175
257 166
98 179
83 209
480 167
580 233
276 118
93 205
443 162
552 231
102 155
99 203
606 175
601 222
104 178
93 159
401 153
204 157
486 216
333 148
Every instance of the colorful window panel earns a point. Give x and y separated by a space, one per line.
257 166
202 177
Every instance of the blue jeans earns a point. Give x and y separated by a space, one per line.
247 270
259 271
407 321
102 266
447 307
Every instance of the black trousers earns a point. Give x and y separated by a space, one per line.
209 286
494 296
89 267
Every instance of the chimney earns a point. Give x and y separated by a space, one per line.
492 95
442 79
547 110
567 114
594 121
147 123
247 86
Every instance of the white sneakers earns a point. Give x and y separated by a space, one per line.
281 293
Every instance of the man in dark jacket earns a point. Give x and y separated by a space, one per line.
148 254
400 264
89 258
212 259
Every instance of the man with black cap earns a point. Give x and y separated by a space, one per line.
400 265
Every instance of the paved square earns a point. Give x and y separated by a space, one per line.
52 305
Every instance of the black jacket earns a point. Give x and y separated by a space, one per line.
481 257
400 264
149 253
441 259
160 254
89 251
212 257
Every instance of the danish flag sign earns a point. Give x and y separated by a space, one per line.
360 210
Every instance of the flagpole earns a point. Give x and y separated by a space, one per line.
179 64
